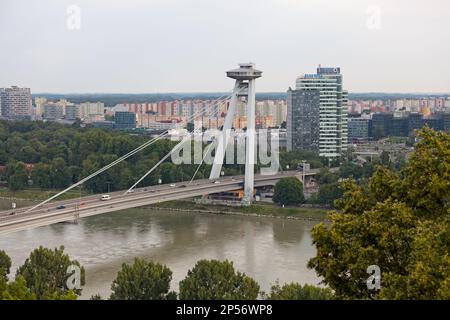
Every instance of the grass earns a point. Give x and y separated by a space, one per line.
38 194
265 209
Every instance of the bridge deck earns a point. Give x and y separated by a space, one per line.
92 205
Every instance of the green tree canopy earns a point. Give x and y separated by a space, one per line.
5 265
16 290
17 175
328 193
46 273
214 280
295 291
142 281
397 221
288 191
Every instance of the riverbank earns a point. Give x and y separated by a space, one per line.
268 210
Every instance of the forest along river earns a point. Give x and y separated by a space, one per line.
266 249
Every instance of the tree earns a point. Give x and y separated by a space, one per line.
215 280
385 158
5 265
288 191
142 281
326 176
17 175
397 221
295 291
18 181
349 169
41 175
46 273
60 175
328 193
16 290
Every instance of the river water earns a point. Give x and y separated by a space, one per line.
265 249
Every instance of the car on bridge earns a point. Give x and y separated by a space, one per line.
105 197
61 207
172 185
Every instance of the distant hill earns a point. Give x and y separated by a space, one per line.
111 99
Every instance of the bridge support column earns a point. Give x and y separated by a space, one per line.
250 144
245 77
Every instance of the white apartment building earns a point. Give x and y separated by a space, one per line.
15 102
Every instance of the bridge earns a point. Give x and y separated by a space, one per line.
68 210
49 211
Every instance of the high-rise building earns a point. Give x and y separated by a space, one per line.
92 108
39 103
435 122
53 111
125 120
72 112
16 103
398 127
415 121
333 109
358 130
379 125
302 122
446 121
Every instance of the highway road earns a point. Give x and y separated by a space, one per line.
20 219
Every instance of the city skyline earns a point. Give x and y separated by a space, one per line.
170 46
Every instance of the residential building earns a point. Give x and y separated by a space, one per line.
72 112
16 103
53 111
92 108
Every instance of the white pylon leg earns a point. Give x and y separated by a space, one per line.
224 137
250 144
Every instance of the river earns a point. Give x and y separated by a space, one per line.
264 248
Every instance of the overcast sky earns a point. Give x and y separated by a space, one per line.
137 46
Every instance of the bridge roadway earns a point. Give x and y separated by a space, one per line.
19 219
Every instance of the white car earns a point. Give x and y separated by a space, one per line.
105 197
172 184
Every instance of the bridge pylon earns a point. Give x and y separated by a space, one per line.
245 77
